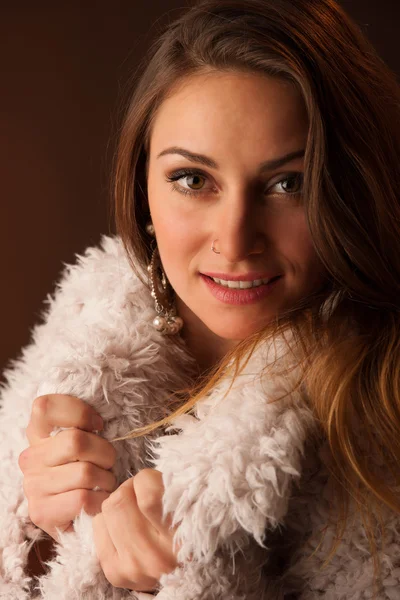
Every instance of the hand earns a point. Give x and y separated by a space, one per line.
133 545
61 471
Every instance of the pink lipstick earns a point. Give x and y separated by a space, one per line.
236 296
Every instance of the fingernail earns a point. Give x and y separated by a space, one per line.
97 423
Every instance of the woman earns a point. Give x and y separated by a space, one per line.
257 182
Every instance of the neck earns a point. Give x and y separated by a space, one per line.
207 348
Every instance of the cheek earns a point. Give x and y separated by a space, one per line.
294 239
179 242
295 244
176 224
175 233
301 248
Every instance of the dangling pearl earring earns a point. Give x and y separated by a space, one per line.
166 322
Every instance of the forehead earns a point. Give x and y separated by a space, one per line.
226 110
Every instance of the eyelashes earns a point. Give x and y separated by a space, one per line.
174 177
194 173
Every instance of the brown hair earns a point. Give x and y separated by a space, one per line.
349 331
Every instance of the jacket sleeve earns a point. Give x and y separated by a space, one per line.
75 572
23 379
17 533
89 345
57 340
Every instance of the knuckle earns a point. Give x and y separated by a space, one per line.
85 473
148 502
23 460
36 514
114 578
108 452
76 442
113 455
143 477
40 405
148 490
85 412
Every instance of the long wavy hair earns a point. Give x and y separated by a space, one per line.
349 332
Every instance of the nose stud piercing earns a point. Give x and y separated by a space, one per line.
213 248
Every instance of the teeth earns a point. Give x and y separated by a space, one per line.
242 285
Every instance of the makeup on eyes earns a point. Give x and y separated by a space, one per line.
190 172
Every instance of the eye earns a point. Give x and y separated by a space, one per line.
292 184
195 181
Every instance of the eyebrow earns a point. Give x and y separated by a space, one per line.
268 165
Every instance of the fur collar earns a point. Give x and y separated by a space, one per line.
228 469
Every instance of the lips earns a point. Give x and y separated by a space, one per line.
237 296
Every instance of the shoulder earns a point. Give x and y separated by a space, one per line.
99 304
101 281
96 341
90 309
101 270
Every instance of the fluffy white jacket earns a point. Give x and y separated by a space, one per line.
249 491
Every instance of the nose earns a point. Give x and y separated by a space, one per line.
238 228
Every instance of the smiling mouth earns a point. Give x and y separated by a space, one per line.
240 292
240 284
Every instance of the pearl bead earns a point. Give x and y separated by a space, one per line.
172 329
179 323
160 323
174 325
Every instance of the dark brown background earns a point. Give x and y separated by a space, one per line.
64 69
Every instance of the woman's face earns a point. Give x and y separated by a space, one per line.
225 163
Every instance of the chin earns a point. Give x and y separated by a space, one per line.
235 331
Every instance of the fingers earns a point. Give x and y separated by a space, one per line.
60 410
126 543
124 520
103 542
65 478
149 489
59 510
132 534
61 471
115 572
69 446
